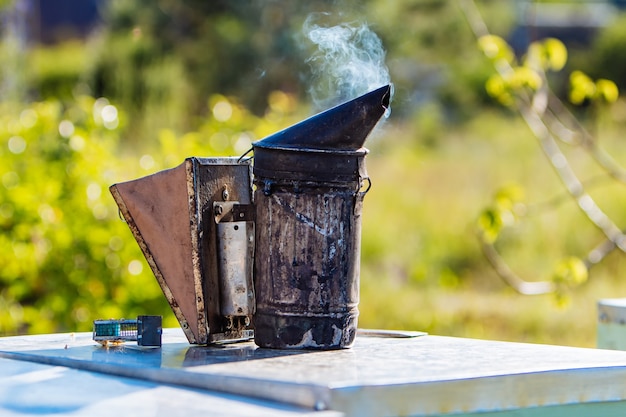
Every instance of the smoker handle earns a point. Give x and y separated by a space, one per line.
360 195
243 156
369 185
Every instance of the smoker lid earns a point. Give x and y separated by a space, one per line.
344 127
309 164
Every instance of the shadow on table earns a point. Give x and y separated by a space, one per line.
170 355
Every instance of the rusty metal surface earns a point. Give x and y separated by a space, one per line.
308 198
307 210
307 266
379 376
235 252
217 180
171 216
275 164
156 209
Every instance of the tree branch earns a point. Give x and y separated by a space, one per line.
550 121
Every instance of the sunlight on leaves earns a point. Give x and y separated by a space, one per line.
525 77
496 48
497 88
490 224
583 88
549 54
607 90
570 271
501 213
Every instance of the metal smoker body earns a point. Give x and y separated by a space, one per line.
307 260
201 228
310 183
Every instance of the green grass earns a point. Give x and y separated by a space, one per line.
422 267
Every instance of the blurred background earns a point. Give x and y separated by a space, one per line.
94 92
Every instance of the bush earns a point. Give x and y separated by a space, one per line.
62 247
66 256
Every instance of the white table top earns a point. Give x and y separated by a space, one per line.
426 375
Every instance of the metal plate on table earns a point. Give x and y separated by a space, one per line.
428 375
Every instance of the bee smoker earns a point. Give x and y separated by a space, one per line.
270 249
310 182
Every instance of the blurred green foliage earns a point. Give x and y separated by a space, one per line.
67 258
59 232
57 73
607 57
163 60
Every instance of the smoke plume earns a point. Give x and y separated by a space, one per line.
348 61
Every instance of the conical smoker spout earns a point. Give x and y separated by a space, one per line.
344 127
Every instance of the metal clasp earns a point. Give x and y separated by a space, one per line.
232 211
235 258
